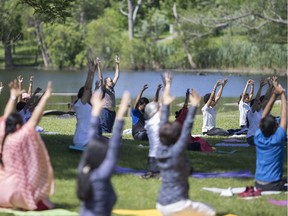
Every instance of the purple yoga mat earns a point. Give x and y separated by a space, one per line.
278 202
232 174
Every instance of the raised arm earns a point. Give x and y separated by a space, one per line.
212 95
219 93
89 80
116 76
136 103
195 99
32 100
254 106
249 82
30 88
269 90
251 93
156 97
14 93
38 111
100 75
186 98
167 99
20 81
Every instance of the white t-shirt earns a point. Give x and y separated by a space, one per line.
243 109
209 118
152 128
254 119
83 115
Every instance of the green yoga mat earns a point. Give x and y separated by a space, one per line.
52 212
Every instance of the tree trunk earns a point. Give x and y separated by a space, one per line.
41 44
130 20
8 54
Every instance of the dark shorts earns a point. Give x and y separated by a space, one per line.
273 186
250 140
107 119
141 135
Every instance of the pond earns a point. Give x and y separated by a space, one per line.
69 81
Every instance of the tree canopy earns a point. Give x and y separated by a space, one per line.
150 34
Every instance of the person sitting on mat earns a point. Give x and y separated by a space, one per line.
26 174
138 121
94 187
83 107
193 143
269 140
209 112
173 197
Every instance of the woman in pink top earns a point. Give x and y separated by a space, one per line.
26 175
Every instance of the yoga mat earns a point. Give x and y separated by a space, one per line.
124 170
52 212
232 174
232 145
278 202
76 148
146 212
233 140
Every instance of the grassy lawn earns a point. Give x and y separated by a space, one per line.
136 193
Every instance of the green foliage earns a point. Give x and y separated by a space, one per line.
64 43
50 10
104 35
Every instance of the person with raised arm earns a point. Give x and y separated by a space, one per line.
138 121
270 141
209 112
26 174
173 197
254 114
152 123
243 103
107 86
97 164
83 107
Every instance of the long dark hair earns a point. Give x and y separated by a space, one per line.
92 158
11 123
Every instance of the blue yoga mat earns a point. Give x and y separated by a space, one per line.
231 174
76 148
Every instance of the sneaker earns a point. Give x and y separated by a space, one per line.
257 192
249 192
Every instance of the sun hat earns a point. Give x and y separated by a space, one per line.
150 109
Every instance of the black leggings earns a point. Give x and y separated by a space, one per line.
140 135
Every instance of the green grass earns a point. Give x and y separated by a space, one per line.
136 193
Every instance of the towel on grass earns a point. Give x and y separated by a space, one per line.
51 212
233 140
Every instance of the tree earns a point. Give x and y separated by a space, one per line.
10 26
